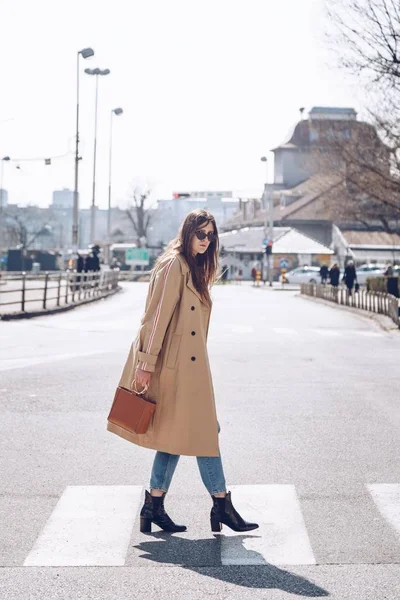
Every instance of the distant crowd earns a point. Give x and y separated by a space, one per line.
350 278
90 262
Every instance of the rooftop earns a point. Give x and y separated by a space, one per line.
286 241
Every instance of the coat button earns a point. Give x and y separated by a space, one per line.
192 308
193 333
193 358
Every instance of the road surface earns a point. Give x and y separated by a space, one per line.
308 402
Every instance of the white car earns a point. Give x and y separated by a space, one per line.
367 271
303 275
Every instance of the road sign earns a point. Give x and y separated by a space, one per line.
137 256
283 263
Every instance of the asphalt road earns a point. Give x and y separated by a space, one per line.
308 402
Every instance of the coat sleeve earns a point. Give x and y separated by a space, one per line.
164 298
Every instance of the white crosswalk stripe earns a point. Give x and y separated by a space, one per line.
387 498
93 525
90 526
282 537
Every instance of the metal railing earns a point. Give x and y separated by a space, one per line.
377 302
26 292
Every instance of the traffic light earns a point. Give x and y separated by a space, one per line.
268 249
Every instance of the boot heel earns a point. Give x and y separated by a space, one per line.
216 525
145 525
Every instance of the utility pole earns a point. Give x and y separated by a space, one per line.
85 53
96 72
268 205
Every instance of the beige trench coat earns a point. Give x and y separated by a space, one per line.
172 344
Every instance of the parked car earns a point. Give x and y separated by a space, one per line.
368 271
303 275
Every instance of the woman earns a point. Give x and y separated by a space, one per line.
350 276
334 275
169 358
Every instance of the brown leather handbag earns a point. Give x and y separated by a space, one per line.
131 411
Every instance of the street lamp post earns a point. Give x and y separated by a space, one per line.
96 72
117 112
269 221
85 53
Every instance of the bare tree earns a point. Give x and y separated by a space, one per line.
17 231
138 214
366 172
367 34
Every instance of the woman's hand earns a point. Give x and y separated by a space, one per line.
142 379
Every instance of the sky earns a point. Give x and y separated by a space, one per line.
207 88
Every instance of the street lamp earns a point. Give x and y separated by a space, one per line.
117 112
85 53
269 221
96 72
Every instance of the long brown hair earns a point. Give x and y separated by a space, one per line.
203 267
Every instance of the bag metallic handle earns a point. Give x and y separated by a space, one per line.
136 391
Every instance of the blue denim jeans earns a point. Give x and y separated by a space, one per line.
210 468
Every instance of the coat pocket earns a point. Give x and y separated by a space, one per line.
173 351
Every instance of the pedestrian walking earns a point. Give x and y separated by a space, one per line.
258 277
254 274
169 358
80 266
334 277
239 276
392 282
324 273
224 273
350 276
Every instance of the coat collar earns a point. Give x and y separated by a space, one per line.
184 265
189 280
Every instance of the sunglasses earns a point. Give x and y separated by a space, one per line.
201 235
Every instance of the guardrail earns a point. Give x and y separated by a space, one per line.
377 302
38 292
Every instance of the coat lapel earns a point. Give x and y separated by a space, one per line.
189 280
190 285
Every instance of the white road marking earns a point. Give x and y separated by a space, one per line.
369 333
387 498
242 329
327 332
90 526
285 330
282 538
8 364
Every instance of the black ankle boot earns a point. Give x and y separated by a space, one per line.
153 511
223 512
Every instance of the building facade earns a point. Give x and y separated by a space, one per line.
310 189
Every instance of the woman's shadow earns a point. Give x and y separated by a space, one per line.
197 555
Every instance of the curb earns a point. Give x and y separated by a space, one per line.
53 311
383 321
